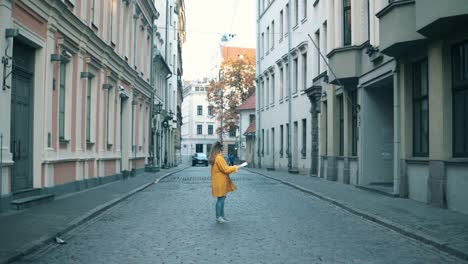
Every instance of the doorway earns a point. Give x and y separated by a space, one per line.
22 92
377 132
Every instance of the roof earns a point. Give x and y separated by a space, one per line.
251 129
233 53
248 104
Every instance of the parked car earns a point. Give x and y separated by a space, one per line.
199 158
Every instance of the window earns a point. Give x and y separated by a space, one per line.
420 109
232 132
281 140
368 20
263 141
281 29
199 110
199 129
263 97
210 129
272 34
170 15
268 142
296 12
208 149
341 120
304 8
199 148
273 88
267 39
304 71
262 47
287 140
287 18
88 111
346 22
267 88
281 80
324 42
286 87
317 42
296 73
62 99
113 19
354 128
210 110
325 129
93 11
304 138
251 118
460 99
109 117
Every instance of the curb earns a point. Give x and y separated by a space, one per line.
37 244
419 236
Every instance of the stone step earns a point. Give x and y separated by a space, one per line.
384 188
270 169
26 193
293 171
26 202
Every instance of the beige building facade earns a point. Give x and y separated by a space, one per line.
76 93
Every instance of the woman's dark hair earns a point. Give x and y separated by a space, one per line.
216 148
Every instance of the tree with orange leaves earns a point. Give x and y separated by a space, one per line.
235 84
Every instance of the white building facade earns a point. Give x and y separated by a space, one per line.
199 125
285 68
382 106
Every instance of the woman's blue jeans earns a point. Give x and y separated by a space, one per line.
220 206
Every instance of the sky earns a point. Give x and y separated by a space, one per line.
206 22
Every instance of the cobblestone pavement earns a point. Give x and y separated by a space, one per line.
174 222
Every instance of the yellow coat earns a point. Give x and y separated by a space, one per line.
221 184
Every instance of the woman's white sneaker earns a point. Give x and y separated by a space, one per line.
220 220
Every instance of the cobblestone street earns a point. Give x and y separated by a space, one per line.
174 222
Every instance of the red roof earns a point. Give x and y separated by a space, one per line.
251 128
234 52
248 104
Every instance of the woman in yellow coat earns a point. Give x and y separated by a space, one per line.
221 184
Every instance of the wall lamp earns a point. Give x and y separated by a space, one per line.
9 33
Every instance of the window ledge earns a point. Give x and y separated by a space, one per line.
417 160
295 27
281 39
64 141
304 20
459 160
93 26
295 95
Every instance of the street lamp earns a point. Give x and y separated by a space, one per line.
220 94
157 110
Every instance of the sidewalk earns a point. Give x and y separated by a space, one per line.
24 231
444 229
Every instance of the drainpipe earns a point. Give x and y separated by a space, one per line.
133 170
1 162
396 129
259 94
289 152
151 128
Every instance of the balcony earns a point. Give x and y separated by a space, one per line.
346 64
398 35
434 17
